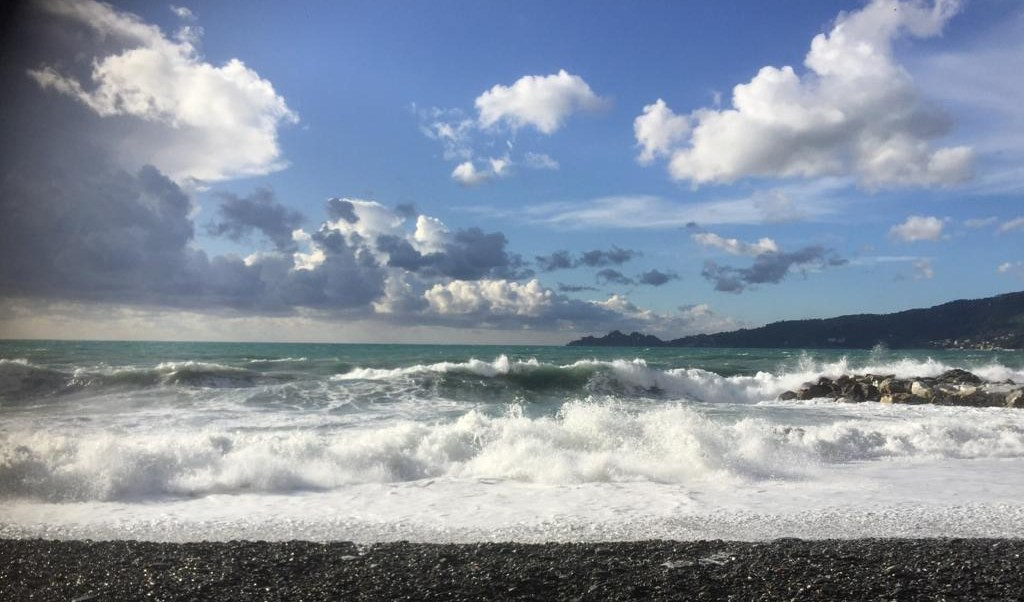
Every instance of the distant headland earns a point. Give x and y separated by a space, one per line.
990 323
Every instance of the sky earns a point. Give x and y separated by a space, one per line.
502 172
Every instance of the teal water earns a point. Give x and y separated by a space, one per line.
329 359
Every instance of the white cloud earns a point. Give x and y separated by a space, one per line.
373 220
430 235
687 320
855 111
204 122
312 257
658 130
541 101
467 174
735 246
539 161
923 269
1013 224
918 227
493 297
506 302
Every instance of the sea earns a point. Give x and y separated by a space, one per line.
447 443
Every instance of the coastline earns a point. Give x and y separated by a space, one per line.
858 569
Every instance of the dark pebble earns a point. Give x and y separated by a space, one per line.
785 569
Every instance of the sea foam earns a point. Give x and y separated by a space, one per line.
584 443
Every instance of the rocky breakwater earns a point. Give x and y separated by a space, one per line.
953 387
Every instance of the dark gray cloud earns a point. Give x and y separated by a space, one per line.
474 254
563 260
341 209
614 256
471 254
656 277
80 222
769 268
610 276
559 260
239 216
575 288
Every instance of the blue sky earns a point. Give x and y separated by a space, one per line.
878 172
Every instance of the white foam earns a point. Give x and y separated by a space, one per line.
963 498
586 442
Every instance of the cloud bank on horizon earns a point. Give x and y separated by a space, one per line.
143 177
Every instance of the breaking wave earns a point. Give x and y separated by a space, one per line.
636 377
585 442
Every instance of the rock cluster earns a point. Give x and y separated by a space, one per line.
953 387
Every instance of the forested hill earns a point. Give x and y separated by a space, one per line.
994 322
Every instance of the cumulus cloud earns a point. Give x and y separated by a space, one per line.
424 245
529 305
493 297
203 122
769 268
541 101
658 131
854 111
735 246
918 227
259 211
468 174
88 223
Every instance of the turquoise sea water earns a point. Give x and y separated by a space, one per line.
187 441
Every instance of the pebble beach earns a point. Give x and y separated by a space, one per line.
785 569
